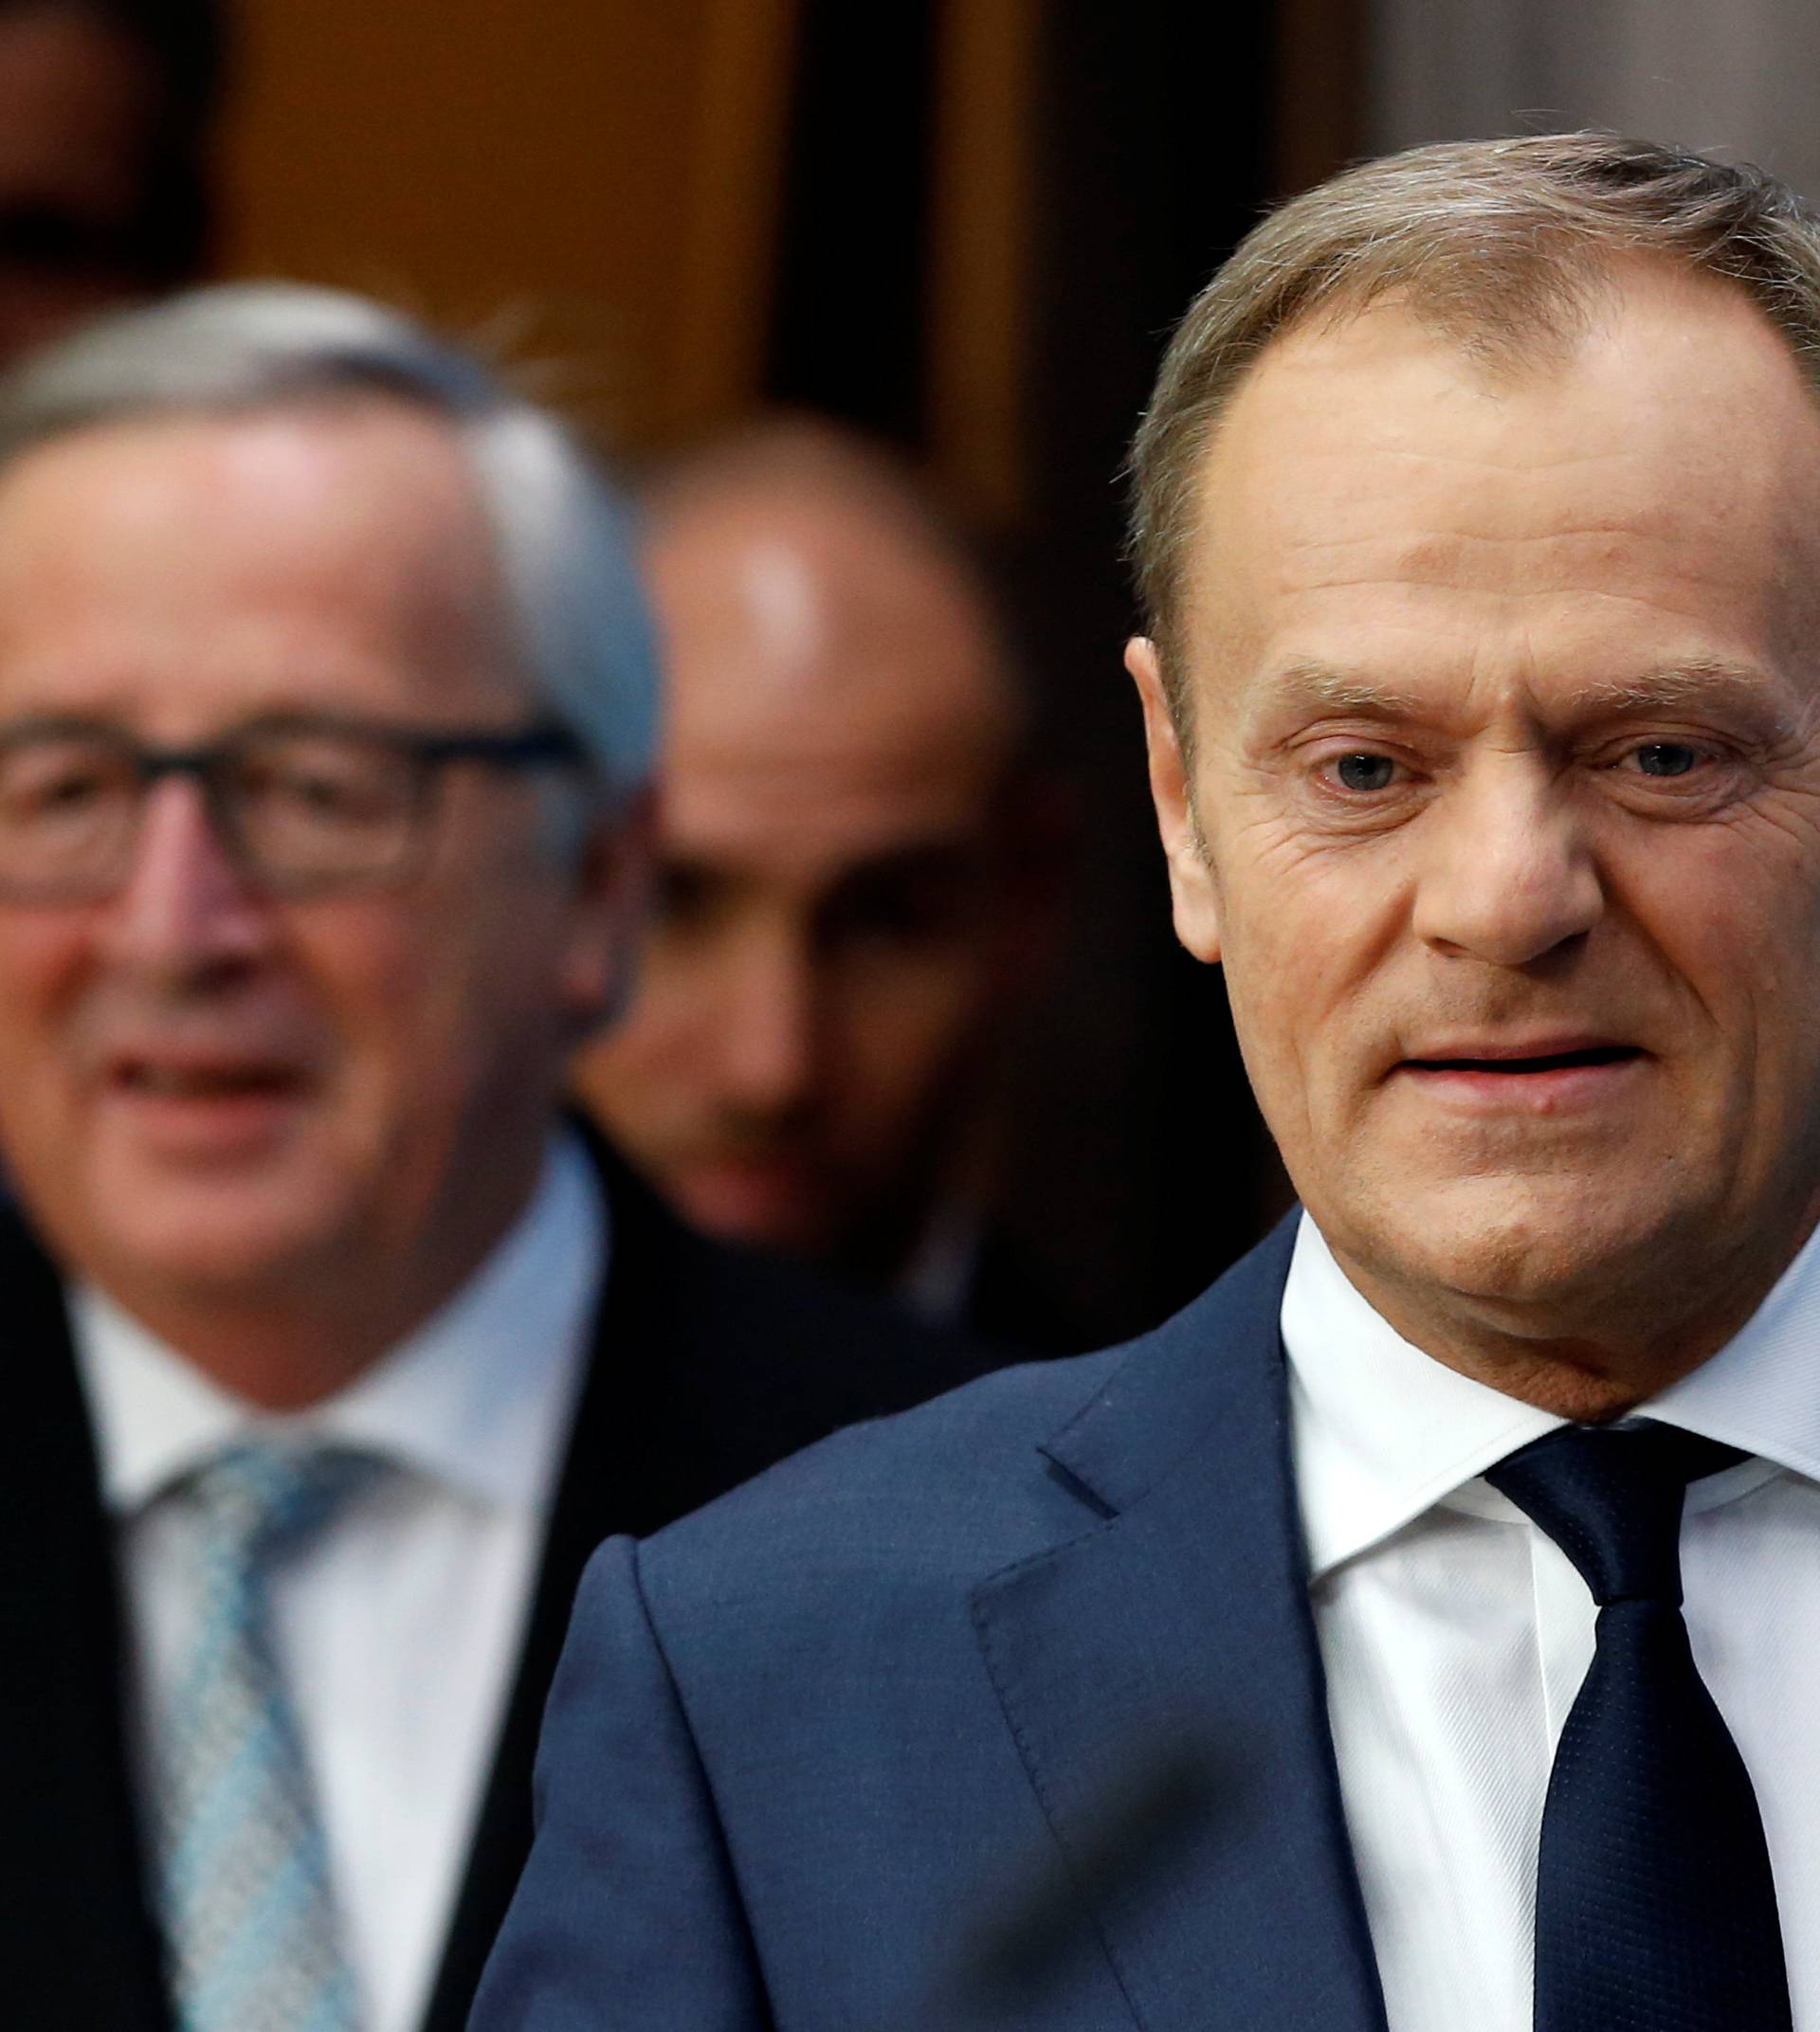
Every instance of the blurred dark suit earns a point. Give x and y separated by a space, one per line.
708 1365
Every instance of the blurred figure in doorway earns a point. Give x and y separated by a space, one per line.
856 882
327 703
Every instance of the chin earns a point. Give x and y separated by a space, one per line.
1540 1245
205 1244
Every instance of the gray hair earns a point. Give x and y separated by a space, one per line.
1500 245
564 535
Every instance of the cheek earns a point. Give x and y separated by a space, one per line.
662 1044
907 1027
363 967
1304 955
651 1066
47 961
411 1000
1731 920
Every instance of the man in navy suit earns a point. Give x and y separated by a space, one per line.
1322 1660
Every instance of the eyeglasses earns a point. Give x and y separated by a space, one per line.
303 804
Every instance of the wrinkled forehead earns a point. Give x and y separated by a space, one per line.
1666 459
308 551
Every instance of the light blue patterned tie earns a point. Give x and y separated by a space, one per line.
248 1916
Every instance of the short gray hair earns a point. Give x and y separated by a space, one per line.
1500 245
564 533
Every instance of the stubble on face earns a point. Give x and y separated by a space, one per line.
1506 757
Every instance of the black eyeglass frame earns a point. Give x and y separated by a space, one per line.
425 752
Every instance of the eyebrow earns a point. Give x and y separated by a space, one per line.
1308 681
1696 681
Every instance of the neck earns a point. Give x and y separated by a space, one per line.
277 1359
1590 1357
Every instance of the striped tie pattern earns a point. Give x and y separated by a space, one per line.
248 1915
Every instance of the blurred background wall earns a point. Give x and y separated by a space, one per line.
1739 80
966 224
963 225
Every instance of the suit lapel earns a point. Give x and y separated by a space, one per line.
1160 1675
81 1949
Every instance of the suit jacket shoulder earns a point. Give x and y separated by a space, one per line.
1010 1461
1007 1712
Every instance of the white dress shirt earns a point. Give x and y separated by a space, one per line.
1455 1633
399 1629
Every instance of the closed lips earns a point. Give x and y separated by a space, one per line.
196 1081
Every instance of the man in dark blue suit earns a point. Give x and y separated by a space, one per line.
1419 1629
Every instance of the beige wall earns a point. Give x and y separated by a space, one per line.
595 179
1740 78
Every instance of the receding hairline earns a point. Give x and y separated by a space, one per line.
1499 362
352 413
1503 347
808 465
560 528
1506 247
800 475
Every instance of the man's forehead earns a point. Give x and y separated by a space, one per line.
257 538
785 610
1649 332
310 443
1673 453
812 799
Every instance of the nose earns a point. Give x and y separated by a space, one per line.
1509 875
769 1029
186 913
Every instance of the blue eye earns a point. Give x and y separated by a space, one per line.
1365 772
1666 758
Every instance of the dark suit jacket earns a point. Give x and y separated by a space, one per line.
1007 1713
707 1367
1013 1300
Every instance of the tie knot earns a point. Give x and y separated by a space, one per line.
1611 1497
260 1500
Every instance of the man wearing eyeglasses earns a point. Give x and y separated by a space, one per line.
326 703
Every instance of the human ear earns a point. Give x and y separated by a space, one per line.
608 912
1193 888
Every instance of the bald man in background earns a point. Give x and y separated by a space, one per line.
856 888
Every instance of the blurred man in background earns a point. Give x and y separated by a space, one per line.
106 108
855 882
326 703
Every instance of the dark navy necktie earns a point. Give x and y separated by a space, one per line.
1655 1908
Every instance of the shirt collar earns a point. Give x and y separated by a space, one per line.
476 1400
1381 1432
